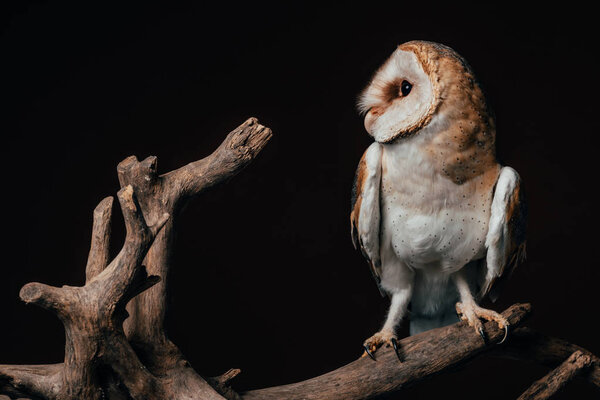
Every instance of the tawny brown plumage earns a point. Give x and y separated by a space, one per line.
435 214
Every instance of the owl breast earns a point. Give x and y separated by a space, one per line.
429 221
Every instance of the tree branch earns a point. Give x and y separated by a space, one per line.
108 355
124 272
237 150
93 316
166 193
528 345
100 360
424 355
30 380
99 255
558 377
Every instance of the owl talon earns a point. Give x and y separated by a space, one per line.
379 339
472 314
482 334
506 329
395 346
368 352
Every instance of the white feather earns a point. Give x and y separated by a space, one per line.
435 227
369 217
498 227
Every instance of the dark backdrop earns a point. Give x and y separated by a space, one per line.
267 258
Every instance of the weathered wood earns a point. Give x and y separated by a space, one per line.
99 255
103 358
423 355
167 193
111 356
528 345
25 380
557 378
93 316
221 384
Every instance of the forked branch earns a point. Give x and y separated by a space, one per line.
93 316
558 377
104 359
423 355
528 345
111 353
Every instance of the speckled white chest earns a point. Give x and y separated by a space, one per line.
429 222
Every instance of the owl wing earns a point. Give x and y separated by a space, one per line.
365 216
505 240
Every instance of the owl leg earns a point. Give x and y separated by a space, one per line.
387 334
468 310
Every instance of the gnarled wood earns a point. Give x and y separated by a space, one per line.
528 345
111 356
104 359
166 193
93 316
99 255
423 355
558 377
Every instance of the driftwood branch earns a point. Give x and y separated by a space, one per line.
99 255
93 316
431 353
105 357
558 377
116 346
528 345
159 194
423 355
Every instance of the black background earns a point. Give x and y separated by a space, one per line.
265 277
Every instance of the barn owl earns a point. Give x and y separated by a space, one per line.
439 220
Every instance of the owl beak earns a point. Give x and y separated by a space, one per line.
371 117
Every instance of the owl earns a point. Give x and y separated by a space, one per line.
439 220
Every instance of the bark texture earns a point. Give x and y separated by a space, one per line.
423 355
528 345
116 346
96 349
558 377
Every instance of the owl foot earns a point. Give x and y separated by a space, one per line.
472 314
377 340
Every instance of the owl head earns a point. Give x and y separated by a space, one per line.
417 82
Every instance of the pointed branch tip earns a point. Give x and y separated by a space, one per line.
126 198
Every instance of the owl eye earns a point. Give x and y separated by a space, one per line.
405 88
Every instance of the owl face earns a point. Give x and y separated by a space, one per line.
421 80
399 98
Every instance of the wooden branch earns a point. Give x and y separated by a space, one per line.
100 360
528 345
238 149
108 355
222 384
424 355
558 377
93 316
99 255
166 193
22 381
